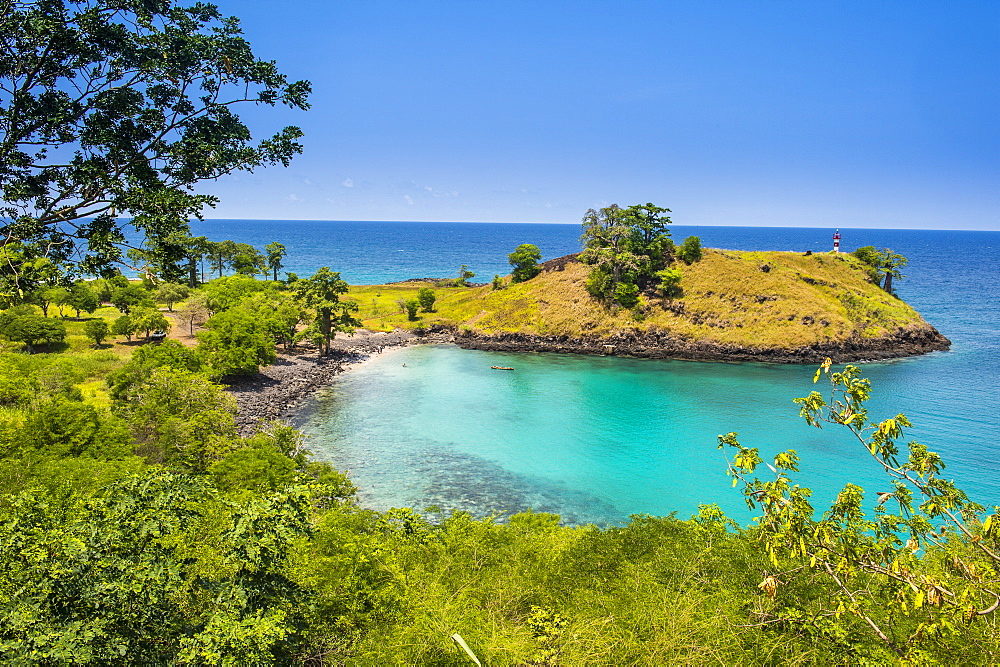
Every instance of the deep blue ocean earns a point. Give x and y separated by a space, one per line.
598 438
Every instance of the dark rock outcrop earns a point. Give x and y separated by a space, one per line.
913 340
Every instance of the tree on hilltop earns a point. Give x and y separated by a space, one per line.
463 276
690 251
524 259
891 264
121 109
625 247
883 265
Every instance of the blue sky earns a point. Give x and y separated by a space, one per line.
770 113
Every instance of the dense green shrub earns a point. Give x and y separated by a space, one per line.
236 342
22 324
96 330
426 297
690 251
524 259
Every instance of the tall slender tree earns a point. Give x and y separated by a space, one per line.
196 249
890 265
221 254
275 253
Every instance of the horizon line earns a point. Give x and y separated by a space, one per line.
676 224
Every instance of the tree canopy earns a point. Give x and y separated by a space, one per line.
275 253
322 293
626 247
524 259
119 109
883 265
23 325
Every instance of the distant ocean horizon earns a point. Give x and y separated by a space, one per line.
369 252
440 431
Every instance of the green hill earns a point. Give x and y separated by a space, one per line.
778 305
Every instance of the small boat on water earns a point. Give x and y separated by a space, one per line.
502 368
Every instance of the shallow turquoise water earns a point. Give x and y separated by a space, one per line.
593 438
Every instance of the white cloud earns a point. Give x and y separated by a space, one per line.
293 197
347 183
306 181
409 199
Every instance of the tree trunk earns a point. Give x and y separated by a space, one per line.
325 325
887 285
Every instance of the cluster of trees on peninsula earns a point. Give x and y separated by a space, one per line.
631 251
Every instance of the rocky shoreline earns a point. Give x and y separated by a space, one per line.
910 341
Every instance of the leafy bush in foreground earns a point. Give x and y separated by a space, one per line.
920 575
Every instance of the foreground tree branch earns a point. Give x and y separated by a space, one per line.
117 110
936 557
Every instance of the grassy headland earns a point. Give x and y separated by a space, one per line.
731 299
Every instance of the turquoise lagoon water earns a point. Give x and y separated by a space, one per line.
596 439
599 438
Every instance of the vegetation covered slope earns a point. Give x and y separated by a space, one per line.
733 298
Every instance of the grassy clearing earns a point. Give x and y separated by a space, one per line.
75 359
756 299
379 306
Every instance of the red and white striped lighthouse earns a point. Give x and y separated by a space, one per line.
836 241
